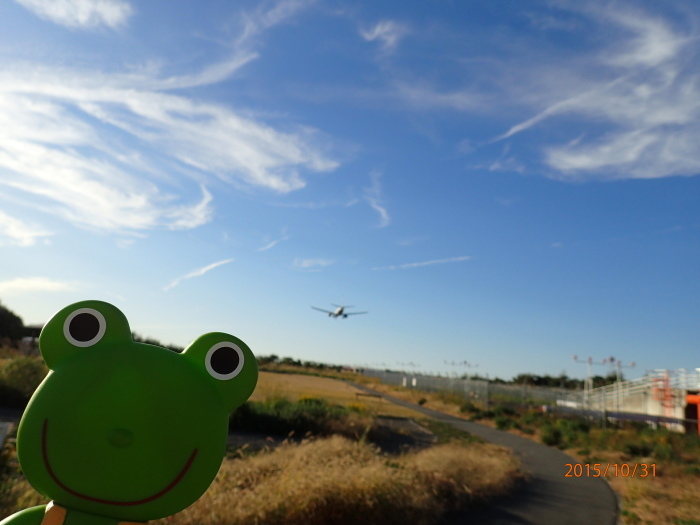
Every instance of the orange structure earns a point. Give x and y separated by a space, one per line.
664 393
694 399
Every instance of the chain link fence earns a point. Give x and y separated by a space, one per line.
480 390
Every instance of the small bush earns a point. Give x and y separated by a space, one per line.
422 401
693 470
664 451
641 449
503 410
504 423
481 414
468 406
551 436
358 408
281 416
19 378
531 418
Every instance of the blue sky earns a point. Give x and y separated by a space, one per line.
505 183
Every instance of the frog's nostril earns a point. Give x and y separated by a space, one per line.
121 438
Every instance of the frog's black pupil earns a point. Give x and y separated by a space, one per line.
84 327
225 360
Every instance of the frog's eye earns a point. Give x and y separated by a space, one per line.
224 360
84 327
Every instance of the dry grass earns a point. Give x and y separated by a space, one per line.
335 480
669 498
295 386
432 400
332 480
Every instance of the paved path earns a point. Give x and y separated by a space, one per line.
547 497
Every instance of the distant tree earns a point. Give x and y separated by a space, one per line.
291 362
266 359
609 379
11 325
612 377
150 341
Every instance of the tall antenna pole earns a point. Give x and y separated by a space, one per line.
618 370
588 385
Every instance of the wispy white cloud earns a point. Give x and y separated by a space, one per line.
421 95
67 139
81 13
314 205
387 32
636 91
264 18
124 243
506 201
16 232
642 87
122 152
34 284
196 273
311 264
373 197
410 241
274 243
424 263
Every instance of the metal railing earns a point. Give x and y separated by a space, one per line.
478 389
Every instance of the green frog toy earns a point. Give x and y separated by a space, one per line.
121 432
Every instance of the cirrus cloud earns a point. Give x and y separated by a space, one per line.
34 284
80 13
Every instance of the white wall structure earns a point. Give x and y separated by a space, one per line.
661 393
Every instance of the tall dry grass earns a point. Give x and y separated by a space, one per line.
339 481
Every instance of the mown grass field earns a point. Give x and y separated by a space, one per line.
296 386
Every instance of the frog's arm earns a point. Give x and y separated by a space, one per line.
30 516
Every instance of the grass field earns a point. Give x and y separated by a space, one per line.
331 479
294 387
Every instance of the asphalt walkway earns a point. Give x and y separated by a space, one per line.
546 498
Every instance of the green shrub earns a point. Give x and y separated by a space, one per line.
664 451
281 416
504 422
503 410
468 406
19 378
551 435
642 449
692 469
530 418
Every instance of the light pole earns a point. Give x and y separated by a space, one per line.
588 385
618 371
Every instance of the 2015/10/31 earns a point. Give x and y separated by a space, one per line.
597 470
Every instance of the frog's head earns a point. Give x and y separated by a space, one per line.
129 430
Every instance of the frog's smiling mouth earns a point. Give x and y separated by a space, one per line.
106 501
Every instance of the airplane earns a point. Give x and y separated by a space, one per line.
338 312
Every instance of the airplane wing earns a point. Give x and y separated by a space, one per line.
322 310
354 313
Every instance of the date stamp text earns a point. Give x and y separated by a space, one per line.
604 470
